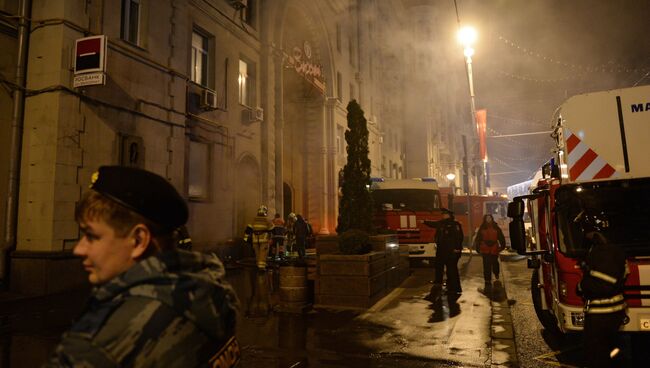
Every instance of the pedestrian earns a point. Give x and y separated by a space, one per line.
449 243
603 275
152 304
489 242
300 230
277 235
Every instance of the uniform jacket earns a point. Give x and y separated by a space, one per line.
604 271
449 234
168 310
490 240
261 228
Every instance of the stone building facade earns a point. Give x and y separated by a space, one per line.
237 102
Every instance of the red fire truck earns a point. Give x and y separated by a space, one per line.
400 207
600 166
470 209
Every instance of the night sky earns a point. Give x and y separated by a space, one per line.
531 55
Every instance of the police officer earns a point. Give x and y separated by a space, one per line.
152 304
604 272
449 242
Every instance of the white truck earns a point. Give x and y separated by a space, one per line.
601 164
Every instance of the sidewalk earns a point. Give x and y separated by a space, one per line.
403 329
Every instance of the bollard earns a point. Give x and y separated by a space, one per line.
293 288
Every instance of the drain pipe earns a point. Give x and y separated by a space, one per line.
16 141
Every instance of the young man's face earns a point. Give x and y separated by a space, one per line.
105 255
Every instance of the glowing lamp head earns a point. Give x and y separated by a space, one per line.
467 36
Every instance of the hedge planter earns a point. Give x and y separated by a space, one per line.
359 281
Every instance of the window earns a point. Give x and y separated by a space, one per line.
340 145
352 96
199 61
199 173
131 10
247 13
339 86
246 83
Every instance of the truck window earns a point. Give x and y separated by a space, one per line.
406 199
624 204
460 208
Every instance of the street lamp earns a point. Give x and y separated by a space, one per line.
467 36
451 176
452 183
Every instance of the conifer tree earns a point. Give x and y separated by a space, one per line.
355 206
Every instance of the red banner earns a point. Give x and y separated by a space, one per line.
481 126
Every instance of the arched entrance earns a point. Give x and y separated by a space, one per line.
287 197
304 137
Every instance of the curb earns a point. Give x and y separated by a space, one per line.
504 349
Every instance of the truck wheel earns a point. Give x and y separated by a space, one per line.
548 320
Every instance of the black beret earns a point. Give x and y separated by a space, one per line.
144 192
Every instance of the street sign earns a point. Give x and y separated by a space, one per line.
88 79
90 61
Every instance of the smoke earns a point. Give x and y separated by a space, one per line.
532 55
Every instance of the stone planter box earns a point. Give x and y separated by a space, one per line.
358 281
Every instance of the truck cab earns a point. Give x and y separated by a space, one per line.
600 168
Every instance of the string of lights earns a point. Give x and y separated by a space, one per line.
514 121
511 140
501 162
613 68
540 80
518 159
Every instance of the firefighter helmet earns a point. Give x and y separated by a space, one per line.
262 211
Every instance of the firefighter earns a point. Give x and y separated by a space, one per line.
261 228
604 272
278 232
449 242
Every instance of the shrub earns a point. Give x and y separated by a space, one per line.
355 205
354 241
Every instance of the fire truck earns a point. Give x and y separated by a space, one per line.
401 206
600 166
469 210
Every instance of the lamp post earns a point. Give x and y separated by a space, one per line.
467 36
452 182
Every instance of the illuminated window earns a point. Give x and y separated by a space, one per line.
246 83
200 54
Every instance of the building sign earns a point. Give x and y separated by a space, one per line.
300 60
90 61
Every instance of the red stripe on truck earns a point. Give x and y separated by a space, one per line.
605 172
582 163
571 143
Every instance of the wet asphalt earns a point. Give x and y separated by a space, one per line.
404 329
